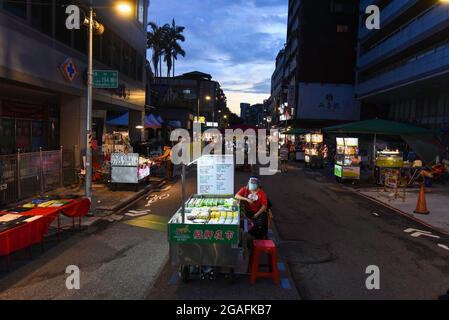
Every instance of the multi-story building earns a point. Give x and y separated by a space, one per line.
403 68
278 93
320 58
183 97
244 111
43 72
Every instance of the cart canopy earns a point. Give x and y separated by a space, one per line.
379 126
296 131
122 120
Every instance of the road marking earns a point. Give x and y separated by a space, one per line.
281 266
174 279
154 198
137 213
445 247
417 233
285 283
150 221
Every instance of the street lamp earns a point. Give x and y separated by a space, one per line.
207 98
123 8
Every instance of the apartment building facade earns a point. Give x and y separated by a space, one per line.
43 74
403 68
320 58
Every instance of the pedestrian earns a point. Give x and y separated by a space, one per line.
283 155
255 204
166 157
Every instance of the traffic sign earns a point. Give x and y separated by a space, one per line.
105 79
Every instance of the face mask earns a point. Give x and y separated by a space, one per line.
252 186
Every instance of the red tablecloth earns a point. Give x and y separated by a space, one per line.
22 236
33 232
76 208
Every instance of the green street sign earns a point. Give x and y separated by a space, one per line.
105 79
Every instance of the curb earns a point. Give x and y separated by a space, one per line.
402 213
133 198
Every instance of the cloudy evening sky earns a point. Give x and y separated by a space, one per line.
236 41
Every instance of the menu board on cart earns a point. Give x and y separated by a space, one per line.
124 167
215 174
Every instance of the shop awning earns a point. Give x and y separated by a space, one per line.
151 122
122 120
175 124
378 126
296 131
159 119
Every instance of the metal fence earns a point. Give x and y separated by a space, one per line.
24 175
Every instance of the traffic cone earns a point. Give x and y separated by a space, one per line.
421 207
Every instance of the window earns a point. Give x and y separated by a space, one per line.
132 62
125 59
61 32
342 7
140 11
18 8
139 62
97 47
341 28
80 40
7 142
107 47
42 15
116 52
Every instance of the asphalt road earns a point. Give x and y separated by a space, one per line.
326 236
331 235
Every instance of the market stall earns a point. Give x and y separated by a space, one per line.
299 142
129 168
347 161
207 234
27 224
313 155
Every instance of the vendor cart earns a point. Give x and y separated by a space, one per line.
313 156
212 239
129 168
208 234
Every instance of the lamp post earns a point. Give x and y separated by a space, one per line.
125 9
207 98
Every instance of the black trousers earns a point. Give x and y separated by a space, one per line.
260 228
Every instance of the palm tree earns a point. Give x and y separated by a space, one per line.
172 48
156 38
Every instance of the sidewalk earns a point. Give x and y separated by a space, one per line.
437 199
107 201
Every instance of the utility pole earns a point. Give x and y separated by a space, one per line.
88 185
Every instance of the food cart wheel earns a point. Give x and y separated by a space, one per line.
184 273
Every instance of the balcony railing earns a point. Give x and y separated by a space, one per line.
430 19
424 65
391 10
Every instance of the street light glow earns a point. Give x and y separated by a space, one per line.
124 8
208 98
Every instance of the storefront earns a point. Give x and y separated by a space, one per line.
28 127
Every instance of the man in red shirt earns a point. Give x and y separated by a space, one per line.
255 202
